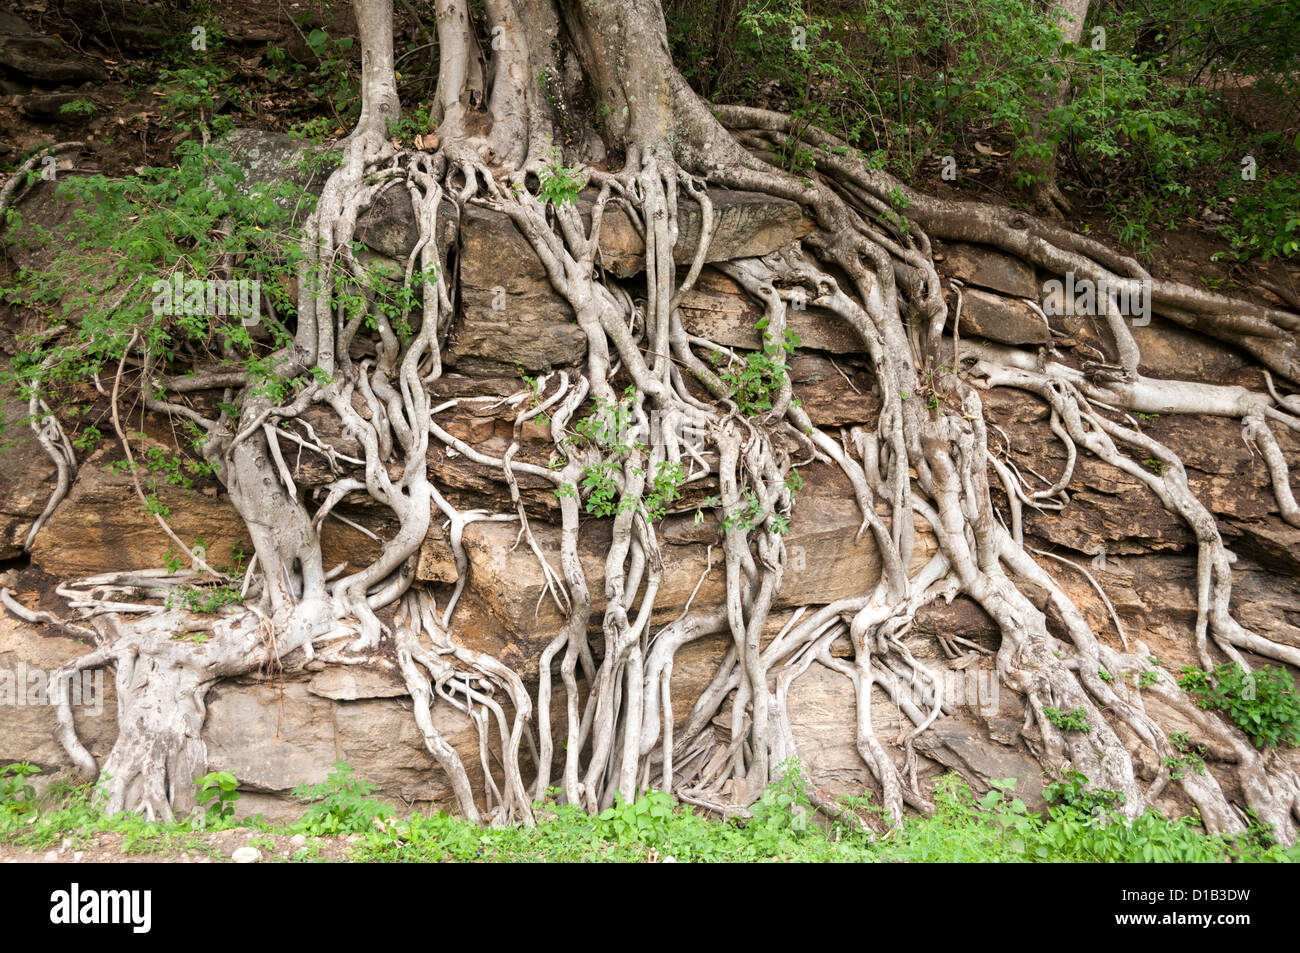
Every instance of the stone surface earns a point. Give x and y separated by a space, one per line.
826 561
349 683
26 717
27 476
988 268
101 526
509 311
717 308
277 734
746 225
48 106
39 56
1005 320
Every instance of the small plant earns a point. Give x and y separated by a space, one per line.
666 488
1155 466
78 109
645 820
1076 720
414 124
219 790
1264 704
341 804
747 513
599 480
755 382
17 796
559 184
1191 756
1072 792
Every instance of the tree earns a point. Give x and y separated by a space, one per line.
590 77
1039 169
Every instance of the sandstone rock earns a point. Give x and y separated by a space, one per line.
274 739
958 745
30 653
349 683
989 268
41 57
510 312
1005 320
42 213
834 394
388 225
719 309
827 560
26 477
267 158
133 26
1169 351
49 106
746 225
101 527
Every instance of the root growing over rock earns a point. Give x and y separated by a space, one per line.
673 419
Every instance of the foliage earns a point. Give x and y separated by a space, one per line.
911 83
1075 720
341 804
415 122
1079 826
330 80
1264 703
129 234
17 796
219 790
559 184
754 382
78 109
1265 218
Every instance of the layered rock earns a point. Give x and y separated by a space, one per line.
277 734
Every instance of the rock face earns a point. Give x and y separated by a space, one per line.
988 268
1005 320
745 225
41 57
510 313
277 734
26 478
718 309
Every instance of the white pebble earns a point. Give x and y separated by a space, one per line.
298 840
246 855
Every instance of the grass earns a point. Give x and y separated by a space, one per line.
1079 825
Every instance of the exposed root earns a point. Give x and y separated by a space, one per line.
867 266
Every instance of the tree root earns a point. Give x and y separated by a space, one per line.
866 265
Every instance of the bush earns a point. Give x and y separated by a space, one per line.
341 804
1264 703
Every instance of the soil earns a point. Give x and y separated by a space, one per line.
197 848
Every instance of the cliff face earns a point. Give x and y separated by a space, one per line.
277 733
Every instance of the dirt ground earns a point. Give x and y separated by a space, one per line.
215 847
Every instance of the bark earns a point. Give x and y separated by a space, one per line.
873 272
